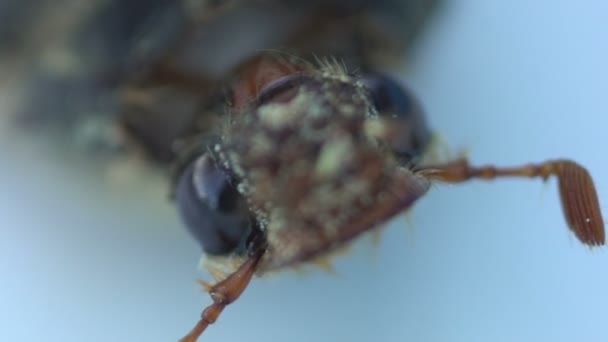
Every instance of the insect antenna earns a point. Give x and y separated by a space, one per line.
578 195
224 293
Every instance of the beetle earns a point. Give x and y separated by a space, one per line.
312 157
300 156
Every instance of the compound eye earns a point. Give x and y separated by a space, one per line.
393 101
211 208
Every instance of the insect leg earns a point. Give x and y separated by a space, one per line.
223 293
577 192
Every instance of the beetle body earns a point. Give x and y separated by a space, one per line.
260 86
163 79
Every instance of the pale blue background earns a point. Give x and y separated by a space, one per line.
510 81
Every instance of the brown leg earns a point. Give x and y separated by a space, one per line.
577 192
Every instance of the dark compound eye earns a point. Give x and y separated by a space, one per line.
394 101
212 209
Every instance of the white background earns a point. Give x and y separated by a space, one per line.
509 81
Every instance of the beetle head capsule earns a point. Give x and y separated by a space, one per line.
314 176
